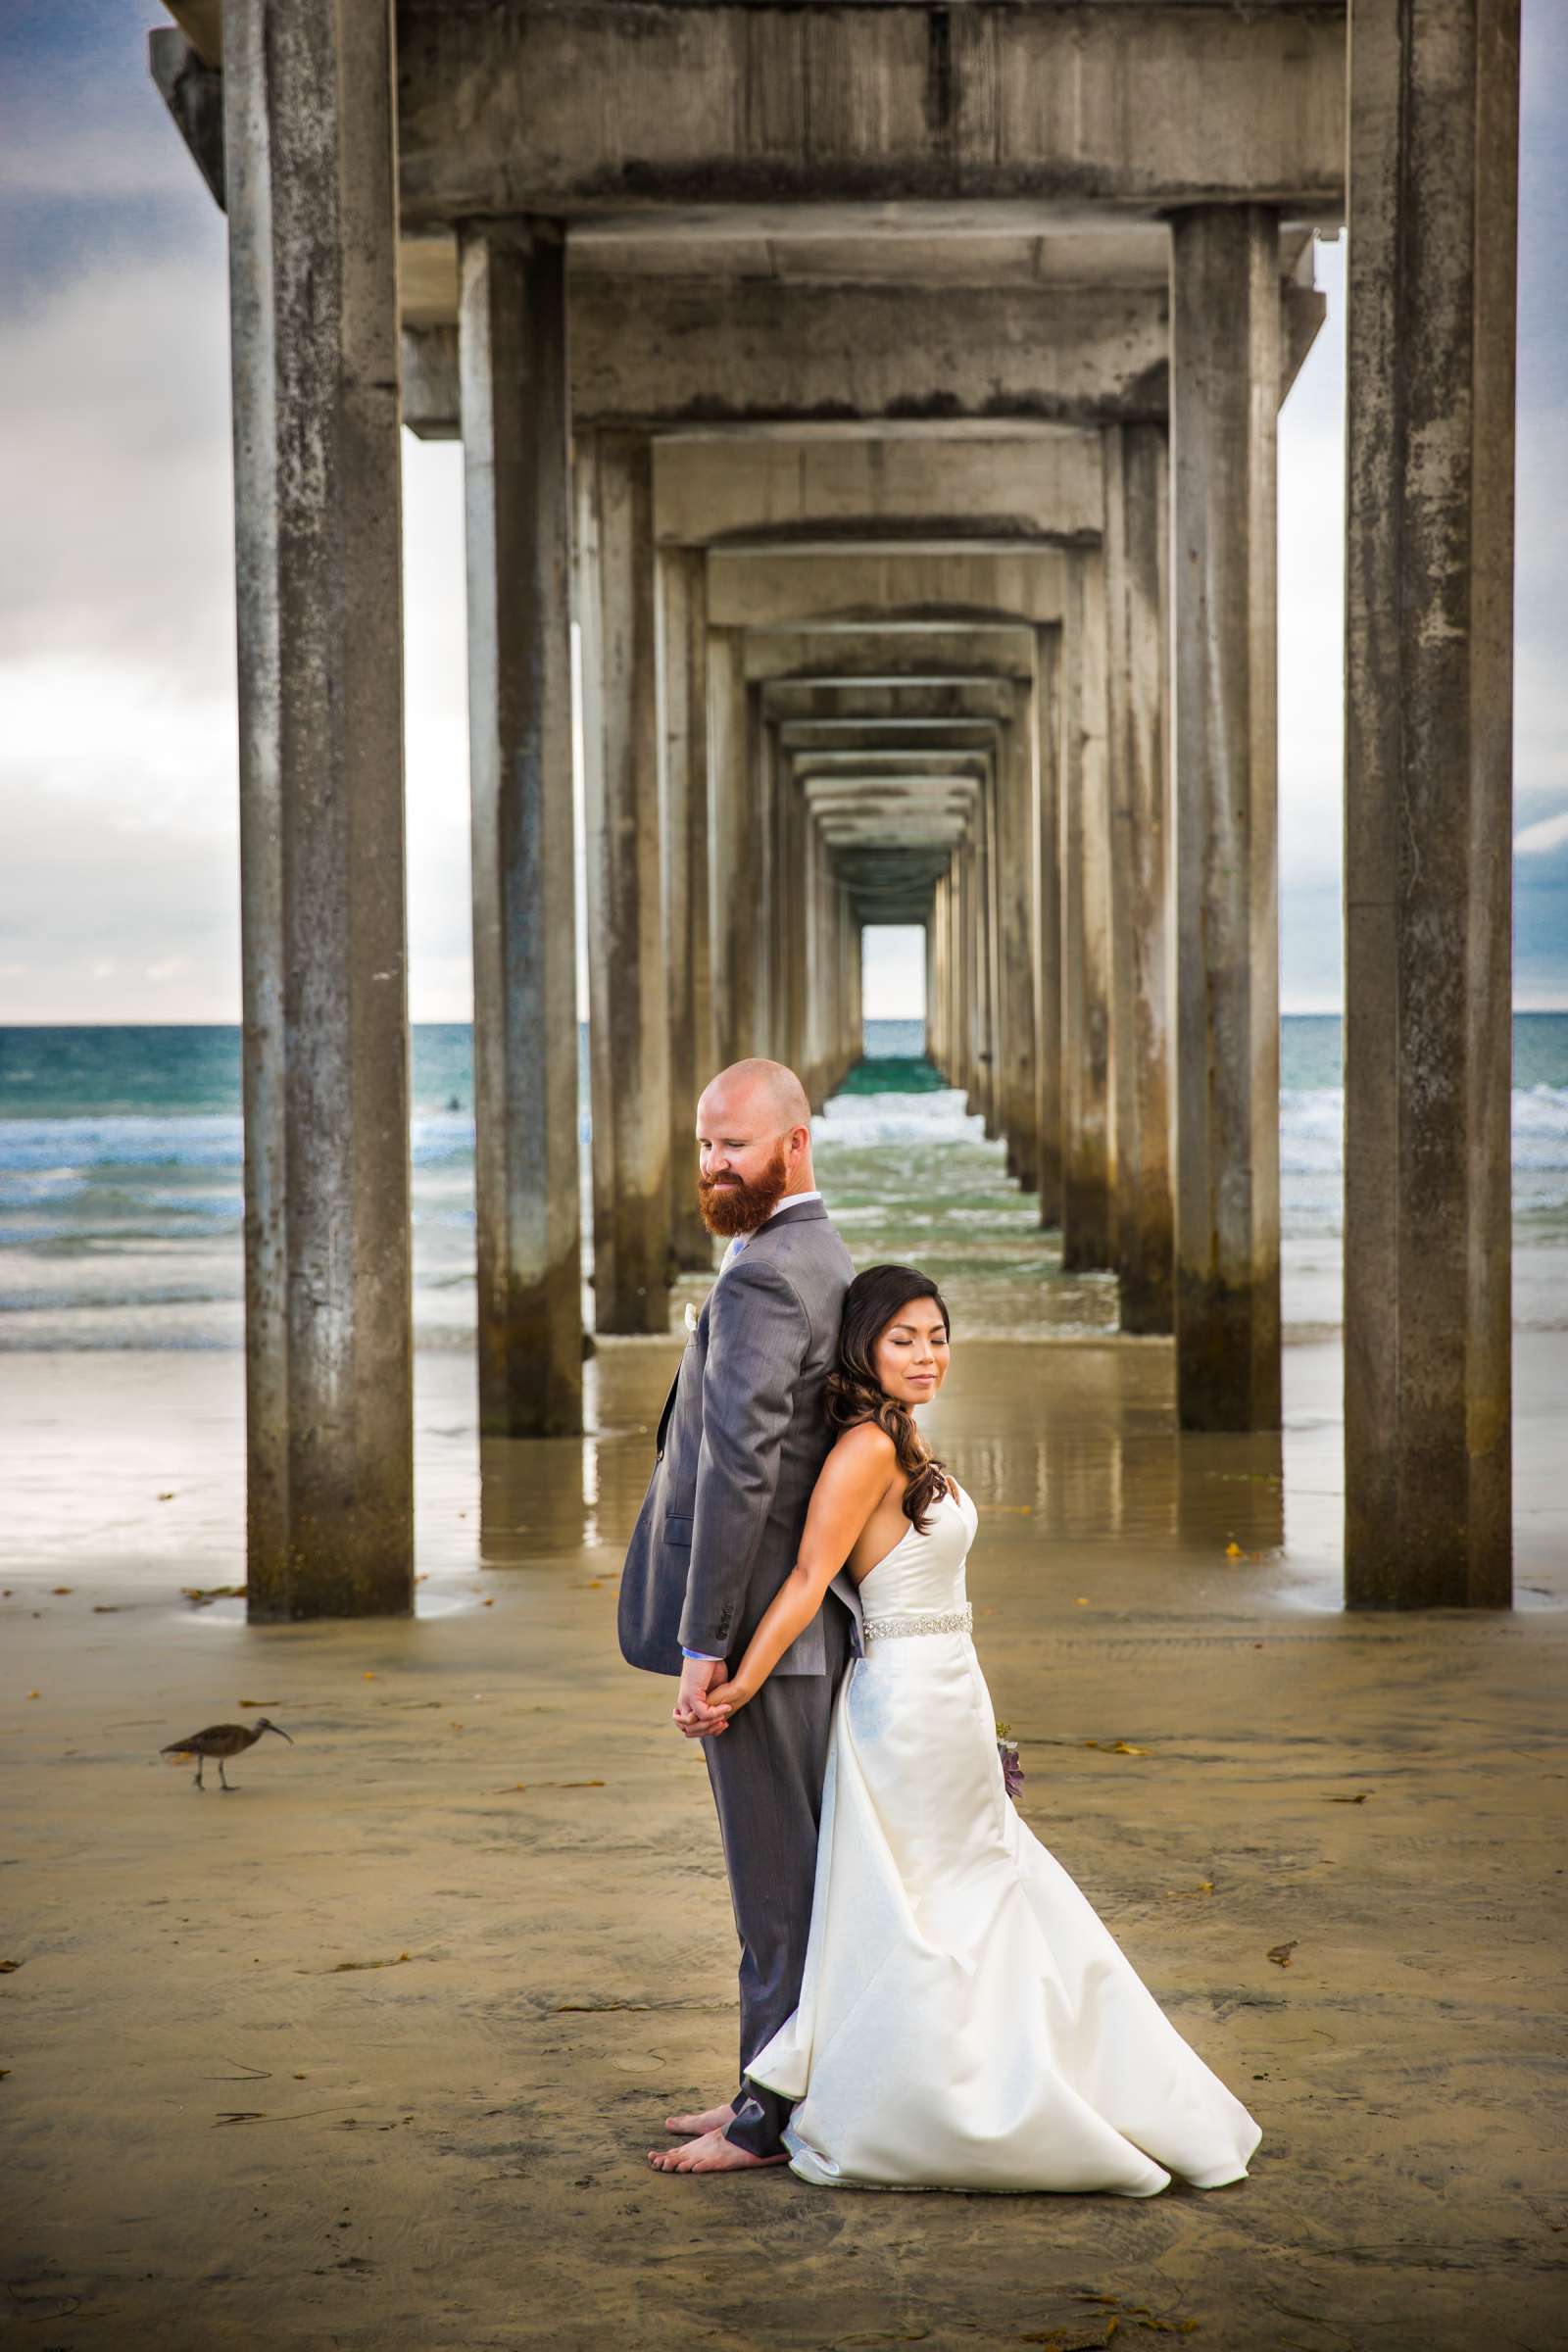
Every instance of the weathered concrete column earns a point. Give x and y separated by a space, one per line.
969 1012
683 786
732 847
945 1023
794 852
1015 864
849 986
990 951
809 1065
832 982
511 348
856 990
946 906
933 980
829 982
762 745
1047 739
310 141
628 1024
1225 370
968 977
776 893
1429 663
1137 557
1085 944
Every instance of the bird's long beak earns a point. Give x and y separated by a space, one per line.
278 1729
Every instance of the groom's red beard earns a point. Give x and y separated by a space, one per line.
730 1206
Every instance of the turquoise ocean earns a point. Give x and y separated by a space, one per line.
121 1174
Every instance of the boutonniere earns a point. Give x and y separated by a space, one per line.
690 1316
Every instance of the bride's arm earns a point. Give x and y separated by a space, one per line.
851 1484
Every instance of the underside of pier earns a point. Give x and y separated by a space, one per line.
869 420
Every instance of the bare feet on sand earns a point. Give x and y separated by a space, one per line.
709 2119
712 2153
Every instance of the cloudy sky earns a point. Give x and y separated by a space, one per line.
118 894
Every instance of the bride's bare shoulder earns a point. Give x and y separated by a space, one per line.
862 1445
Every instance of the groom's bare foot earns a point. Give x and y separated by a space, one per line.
711 2119
710 2153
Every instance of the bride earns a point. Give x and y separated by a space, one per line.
965 2020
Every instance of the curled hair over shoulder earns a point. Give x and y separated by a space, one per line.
853 1393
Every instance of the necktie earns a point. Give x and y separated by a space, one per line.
736 1245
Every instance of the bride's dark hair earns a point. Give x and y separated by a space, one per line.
853 1393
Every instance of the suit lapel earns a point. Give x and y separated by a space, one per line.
669 1402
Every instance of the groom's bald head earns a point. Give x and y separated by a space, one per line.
771 1088
754 1141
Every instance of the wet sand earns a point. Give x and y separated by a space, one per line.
367 2052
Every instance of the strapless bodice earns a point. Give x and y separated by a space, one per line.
924 1572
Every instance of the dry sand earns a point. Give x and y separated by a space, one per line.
368 2053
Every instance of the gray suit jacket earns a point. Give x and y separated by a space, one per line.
740 1443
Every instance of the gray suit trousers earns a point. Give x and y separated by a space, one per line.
766 1772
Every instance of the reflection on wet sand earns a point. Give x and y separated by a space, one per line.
1081 1439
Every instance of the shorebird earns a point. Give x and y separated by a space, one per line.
223 1740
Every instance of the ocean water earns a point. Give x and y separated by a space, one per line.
120 1176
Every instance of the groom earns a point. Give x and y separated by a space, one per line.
741 1441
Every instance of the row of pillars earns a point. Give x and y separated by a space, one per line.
1104 977
1166 977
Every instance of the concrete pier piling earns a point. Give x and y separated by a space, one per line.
628 1021
511 343
1137 669
908 463
310 143
1049 720
1016 859
1429 666
734 880
684 817
1225 370
1086 1100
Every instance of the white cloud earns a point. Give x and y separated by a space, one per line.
118 758
1536 840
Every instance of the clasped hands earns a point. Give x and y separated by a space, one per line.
706 1698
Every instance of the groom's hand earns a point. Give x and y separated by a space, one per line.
694 1716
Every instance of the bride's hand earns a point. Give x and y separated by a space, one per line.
726 1697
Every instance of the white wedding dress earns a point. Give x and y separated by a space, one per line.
965 2020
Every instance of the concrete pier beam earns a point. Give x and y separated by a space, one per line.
1429 662
1087 1107
1048 762
1225 373
517 524
682 621
629 1026
1137 559
310 144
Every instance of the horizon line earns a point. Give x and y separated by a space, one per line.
1288 1012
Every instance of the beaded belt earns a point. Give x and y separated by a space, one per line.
950 1621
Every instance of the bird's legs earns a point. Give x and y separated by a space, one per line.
199 1762
222 1782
